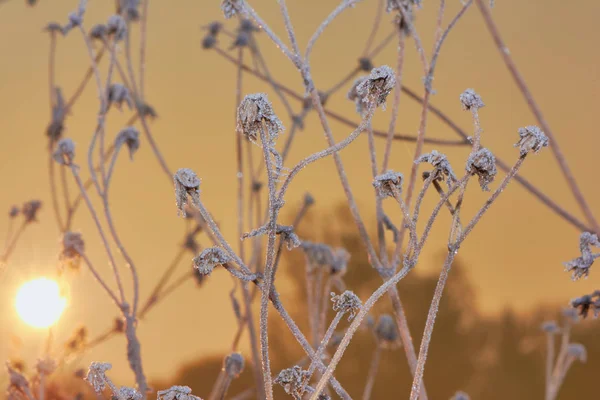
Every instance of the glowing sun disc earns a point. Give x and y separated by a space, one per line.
39 303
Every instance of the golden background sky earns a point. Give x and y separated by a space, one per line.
514 259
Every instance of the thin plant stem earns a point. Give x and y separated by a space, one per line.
53 190
143 46
102 282
549 362
323 345
10 246
537 112
372 373
375 27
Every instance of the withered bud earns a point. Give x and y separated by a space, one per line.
98 32
117 27
377 86
73 247
346 303
209 41
482 164
65 152
96 375
118 94
186 182
441 166
292 380
386 332
577 351
234 365
30 210
365 64
470 100
550 327
387 183
531 138
129 136
209 258
127 393
230 7
253 111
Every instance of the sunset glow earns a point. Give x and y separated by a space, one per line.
39 303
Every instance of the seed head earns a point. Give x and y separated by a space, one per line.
580 266
241 40
214 28
231 7
386 183
252 112
441 166
186 182
65 152
470 100
376 87
119 94
209 41
288 236
147 110
346 303
365 64
30 210
234 365
116 26
482 164
131 138
96 375
98 32
577 351
176 393
127 393
531 139
386 332
292 380
14 211
73 247
550 327
211 257
246 25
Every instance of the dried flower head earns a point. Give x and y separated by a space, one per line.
129 136
209 41
580 266
234 365
586 303
387 183
65 152
317 254
376 87
176 393
242 39
117 27
53 28
214 28
118 94
231 7
246 25
482 164
460 396
346 303
288 236
253 111
441 165
98 32
210 258
386 332
469 100
129 9
96 375
73 247
30 210
577 351
292 380
14 211
127 393
339 264
365 64
186 182
531 139
147 110
550 327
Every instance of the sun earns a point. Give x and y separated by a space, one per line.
39 303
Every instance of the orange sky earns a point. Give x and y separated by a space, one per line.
513 260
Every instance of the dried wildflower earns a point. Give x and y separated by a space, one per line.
346 303
460 396
377 86
231 7
288 236
73 247
209 41
14 211
118 94
45 366
117 27
550 327
386 332
131 138
292 380
96 375
482 164
59 111
441 166
577 351
580 266
65 152
127 393
176 393
98 32
252 112
129 9
385 184
531 139
365 64
470 100
586 303
234 365
211 257
54 27
30 210
186 182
